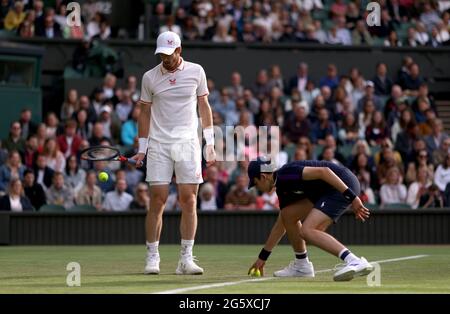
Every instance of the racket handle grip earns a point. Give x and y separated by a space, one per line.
131 161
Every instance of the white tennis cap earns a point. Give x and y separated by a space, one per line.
167 42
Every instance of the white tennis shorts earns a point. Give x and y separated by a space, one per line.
165 158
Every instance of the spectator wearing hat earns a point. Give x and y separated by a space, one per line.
111 127
369 95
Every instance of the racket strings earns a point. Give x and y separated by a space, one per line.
100 153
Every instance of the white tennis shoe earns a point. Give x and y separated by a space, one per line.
358 267
187 266
152 264
296 270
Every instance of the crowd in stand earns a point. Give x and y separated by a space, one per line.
383 127
403 22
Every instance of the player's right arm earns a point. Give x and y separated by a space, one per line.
274 238
145 103
143 131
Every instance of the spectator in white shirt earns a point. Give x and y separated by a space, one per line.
170 26
393 191
421 34
207 197
309 5
118 200
442 174
418 188
222 35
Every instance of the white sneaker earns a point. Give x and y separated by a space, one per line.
358 267
187 266
295 270
152 264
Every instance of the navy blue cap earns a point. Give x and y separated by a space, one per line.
256 167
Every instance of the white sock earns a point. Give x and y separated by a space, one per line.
350 257
186 247
152 248
301 261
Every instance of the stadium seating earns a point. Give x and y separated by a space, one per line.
82 209
50 208
397 206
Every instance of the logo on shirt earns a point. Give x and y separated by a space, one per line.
172 82
299 192
323 204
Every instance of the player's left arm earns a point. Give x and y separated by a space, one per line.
327 175
206 119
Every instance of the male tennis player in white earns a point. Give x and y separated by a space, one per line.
171 93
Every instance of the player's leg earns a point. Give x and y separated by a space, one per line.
188 176
153 225
159 174
188 203
292 215
153 222
313 231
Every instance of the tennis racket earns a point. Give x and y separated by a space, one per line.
104 153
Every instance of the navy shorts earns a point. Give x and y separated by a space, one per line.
334 204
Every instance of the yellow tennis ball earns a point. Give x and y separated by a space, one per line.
255 272
103 176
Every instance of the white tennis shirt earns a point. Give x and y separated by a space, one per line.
174 101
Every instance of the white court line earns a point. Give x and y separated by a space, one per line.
232 283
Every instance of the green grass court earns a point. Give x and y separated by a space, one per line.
118 269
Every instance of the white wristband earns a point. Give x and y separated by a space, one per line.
143 145
208 133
